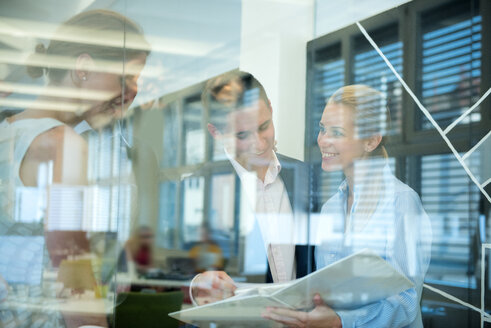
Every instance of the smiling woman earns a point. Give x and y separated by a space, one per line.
353 126
372 209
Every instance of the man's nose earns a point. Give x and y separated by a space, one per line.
259 141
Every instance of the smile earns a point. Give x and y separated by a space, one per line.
328 155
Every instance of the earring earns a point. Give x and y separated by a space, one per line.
84 78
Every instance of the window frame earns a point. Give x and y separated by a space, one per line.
407 147
182 169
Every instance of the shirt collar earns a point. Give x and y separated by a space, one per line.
273 170
358 186
271 174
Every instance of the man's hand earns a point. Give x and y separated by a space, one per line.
322 316
212 286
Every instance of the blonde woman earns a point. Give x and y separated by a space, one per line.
372 209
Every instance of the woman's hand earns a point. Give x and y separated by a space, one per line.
212 286
320 317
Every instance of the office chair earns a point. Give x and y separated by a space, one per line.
147 310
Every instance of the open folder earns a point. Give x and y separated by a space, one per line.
357 280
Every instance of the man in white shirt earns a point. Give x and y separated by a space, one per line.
275 186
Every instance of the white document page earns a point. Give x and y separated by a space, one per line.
354 281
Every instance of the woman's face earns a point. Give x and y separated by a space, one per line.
337 139
118 99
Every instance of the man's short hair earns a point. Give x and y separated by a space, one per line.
245 89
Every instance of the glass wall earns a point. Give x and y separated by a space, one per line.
248 163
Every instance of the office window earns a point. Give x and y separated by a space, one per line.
170 135
452 202
192 213
222 211
194 196
436 48
110 176
370 69
167 214
328 76
450 63
99 202
65 207
193 134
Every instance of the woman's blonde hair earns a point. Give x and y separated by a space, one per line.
371 117
94 23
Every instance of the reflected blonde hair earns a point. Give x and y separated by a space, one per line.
372 117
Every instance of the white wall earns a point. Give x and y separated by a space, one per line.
274 35
333 15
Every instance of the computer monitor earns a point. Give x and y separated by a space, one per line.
21 259
181 265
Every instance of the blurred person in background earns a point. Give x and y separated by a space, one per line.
138 250
206 253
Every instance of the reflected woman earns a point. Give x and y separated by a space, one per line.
92 64
84 65
371 209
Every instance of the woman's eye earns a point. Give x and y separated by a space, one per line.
242 135
322 129
337 133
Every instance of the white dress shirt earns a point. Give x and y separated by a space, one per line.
272 210
267 204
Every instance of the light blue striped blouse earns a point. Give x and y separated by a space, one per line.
396 227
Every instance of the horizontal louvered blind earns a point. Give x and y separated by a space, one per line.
451 200
451 63
370 69
329 73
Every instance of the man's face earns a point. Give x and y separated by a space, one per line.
252 132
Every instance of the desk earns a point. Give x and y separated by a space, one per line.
69 306
76 312
125 279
